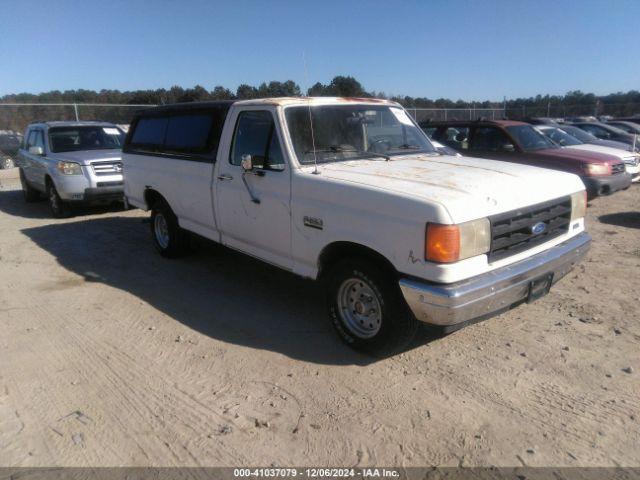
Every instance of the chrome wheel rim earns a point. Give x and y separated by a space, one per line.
161 230
359 307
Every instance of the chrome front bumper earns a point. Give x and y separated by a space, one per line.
493 292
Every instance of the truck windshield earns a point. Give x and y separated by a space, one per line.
530 139
561 138
350 132
71 139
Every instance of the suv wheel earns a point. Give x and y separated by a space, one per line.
59 208
7 163
169 239
367 309
30 194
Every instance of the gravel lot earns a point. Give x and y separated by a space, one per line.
112 355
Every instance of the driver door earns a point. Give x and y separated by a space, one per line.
253 207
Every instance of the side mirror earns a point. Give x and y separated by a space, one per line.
508 147
36 151
246 162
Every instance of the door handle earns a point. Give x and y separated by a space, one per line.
225 176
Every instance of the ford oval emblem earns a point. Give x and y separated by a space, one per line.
538 228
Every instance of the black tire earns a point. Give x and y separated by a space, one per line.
59 208
30 194
172 242
395 325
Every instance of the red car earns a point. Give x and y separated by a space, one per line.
519 142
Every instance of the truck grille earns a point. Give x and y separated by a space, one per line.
617 168
107 168
513 232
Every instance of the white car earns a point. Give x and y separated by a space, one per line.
351 192
558 135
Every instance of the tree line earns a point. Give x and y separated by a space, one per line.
621 103
346 86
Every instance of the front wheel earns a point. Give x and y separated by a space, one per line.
169 239
59 208
367 309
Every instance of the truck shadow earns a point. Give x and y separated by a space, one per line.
622 219
12 203
216 291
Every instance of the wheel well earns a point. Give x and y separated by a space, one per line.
47 181
152 196
337 251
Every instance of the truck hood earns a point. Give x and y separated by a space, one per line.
468 188
86 157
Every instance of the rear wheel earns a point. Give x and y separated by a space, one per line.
30 194
367 309
59 208
169 239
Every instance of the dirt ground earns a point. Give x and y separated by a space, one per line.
111 355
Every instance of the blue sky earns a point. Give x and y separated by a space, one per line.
473 50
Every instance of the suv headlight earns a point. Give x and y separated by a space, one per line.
450 243
578 205
595 169
69 168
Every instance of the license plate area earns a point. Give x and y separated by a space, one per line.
539 287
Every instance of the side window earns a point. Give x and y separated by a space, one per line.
256 135
455 137
489 139
188 133
35 139
39 138
430 131
150 132
31 139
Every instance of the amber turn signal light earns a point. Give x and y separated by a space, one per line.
442 243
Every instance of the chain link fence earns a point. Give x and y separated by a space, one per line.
14 117
440 114
524 112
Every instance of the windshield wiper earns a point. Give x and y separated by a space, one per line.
406 146
339 149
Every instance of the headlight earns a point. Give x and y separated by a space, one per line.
578 205
69 168
594 169
450 243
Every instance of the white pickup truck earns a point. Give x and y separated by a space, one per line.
351 192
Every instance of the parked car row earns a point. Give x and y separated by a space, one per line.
602 168
398 229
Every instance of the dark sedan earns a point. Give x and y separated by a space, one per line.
606 132
629 127
586 137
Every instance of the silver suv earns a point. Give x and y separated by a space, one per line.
71 162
